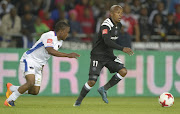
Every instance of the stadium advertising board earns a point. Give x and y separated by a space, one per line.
150 73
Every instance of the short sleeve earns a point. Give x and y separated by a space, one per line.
48 41
105 31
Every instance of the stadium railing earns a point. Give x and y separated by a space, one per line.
174 43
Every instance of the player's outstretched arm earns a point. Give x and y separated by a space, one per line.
53 52
112 44
128 51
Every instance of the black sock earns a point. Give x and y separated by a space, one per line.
83 93
113 81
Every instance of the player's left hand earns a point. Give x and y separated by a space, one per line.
128 51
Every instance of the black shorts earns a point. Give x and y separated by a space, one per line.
96 66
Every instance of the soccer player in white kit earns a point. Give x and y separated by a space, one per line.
33 60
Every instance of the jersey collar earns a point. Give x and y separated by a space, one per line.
113 22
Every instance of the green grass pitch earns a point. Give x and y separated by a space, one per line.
90 105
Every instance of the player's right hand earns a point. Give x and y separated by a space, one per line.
73 55
128 51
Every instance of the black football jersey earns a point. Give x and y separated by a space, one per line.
105 42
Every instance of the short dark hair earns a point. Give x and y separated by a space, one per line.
60 25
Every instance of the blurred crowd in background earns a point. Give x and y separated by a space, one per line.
23 21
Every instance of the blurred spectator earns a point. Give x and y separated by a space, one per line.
150 5
58 1
158 27
124 39
81 7
24 6
69 5
45 17
62 17
96 8
108 4
177 18
87 24
55 14
144 25
172 5
3 8
160 10
170 25
177 14
130 23
135 8
28 28
46 4
75 27
9 6
10 28
36 5
40 28
103 14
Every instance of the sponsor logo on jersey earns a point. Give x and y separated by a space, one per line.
49 40
105 31
114 38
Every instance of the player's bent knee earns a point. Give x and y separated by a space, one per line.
91 83
123 72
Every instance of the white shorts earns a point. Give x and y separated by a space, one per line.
29 66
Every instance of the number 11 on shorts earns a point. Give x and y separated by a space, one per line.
95 63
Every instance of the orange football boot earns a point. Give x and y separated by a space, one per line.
9 92
10 103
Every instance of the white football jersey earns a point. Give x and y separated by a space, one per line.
38 53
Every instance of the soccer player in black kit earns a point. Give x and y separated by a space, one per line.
102 55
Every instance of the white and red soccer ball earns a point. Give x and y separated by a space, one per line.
166 99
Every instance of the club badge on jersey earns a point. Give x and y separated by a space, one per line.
105 31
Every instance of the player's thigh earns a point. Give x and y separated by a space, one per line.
32 70
95 69
28 71
114 66
38 79
27 67
30 79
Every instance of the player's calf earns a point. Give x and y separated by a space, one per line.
85 89
34 90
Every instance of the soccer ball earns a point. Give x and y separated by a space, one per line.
166 99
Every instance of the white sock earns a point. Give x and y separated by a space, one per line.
14 96
87 86
119 76
13 88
